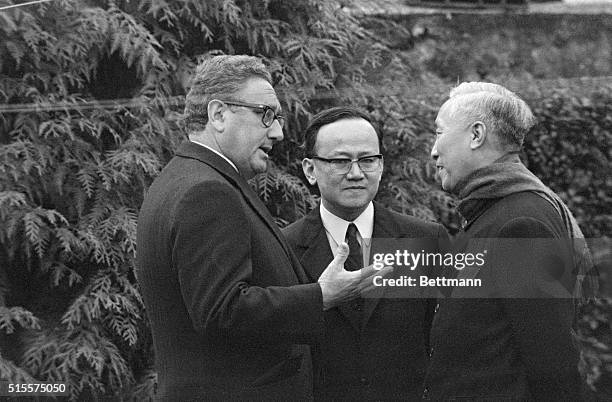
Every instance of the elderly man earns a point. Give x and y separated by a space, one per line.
374 348
229 303
516 342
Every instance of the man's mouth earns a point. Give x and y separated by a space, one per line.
266 150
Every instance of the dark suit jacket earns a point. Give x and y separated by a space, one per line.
384 356
226 297
506 347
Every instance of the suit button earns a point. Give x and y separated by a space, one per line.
363 381
357 305
437 307
431 350
425 393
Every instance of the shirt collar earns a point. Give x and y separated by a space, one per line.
218 153
337 226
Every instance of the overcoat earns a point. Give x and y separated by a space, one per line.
229 304
516 341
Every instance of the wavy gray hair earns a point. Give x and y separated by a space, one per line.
219 77
502 111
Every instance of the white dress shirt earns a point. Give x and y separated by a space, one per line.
336 227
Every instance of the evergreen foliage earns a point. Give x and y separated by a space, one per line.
93 93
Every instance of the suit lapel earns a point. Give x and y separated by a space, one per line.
313 247
191 150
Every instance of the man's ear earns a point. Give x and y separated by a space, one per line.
478 134
216 117
308 168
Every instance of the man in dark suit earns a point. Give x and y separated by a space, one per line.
511 338
229 303
373 348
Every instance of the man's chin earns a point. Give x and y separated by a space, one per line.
446 185
260 167
451 189
356 204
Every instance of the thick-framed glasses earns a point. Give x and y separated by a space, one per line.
268 115
368 163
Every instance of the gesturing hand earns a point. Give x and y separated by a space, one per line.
339 285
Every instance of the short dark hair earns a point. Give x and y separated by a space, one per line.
218 77
331 115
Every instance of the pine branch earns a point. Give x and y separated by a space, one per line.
134 42
10 200
144 389
9 371
19 315
60 271
84 359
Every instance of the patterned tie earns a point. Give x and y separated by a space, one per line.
354 260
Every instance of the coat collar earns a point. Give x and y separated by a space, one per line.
337 226
218 153
313 226
189 149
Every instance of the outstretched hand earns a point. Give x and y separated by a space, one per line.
339 285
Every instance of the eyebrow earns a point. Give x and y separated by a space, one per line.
275 104
276 107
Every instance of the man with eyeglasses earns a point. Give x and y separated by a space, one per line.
374 348
229 304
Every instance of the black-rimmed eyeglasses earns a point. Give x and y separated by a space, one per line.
268 116
368 163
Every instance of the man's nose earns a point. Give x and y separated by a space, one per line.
275 131
434 151
354 172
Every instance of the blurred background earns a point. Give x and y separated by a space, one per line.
91 96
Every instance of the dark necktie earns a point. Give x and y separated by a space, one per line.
354 262
355 258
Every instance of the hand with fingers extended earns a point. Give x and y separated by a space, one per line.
339 285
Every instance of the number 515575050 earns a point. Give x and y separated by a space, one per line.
34 388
